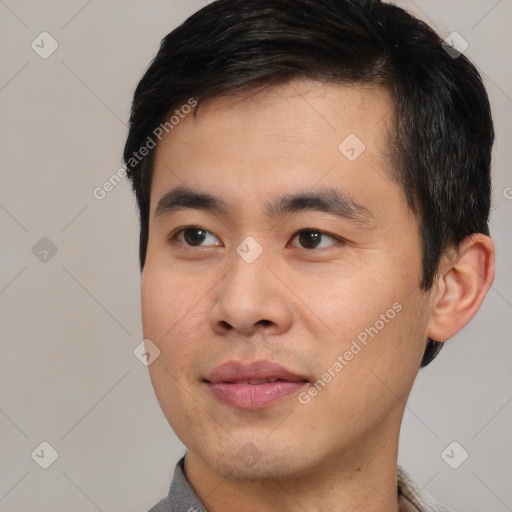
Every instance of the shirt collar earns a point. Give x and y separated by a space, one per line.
182 498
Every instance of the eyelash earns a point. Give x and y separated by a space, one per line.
174 237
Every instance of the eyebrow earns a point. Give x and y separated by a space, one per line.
327 200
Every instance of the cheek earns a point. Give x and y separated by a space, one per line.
344 305
166 300
373 318
170 313
174 318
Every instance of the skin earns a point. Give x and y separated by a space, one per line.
301 307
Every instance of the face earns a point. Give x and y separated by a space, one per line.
280 247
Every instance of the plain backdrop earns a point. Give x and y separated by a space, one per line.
69 278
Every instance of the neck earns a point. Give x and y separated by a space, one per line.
361 479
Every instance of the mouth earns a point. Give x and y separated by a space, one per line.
252 386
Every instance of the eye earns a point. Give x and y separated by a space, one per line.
195 236
314 239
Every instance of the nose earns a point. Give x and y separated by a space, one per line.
250 300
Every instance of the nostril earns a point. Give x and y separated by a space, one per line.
265 322
226 325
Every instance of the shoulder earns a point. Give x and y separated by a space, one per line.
413 498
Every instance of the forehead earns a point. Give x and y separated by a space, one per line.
308 110
299 133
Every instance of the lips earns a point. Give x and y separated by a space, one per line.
253 386
257 372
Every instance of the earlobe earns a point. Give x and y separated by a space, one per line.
465 275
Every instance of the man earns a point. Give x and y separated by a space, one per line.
313 180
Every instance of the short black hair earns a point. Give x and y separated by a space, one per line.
442 134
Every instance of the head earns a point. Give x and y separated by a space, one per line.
246 114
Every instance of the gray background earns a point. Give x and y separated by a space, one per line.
69 324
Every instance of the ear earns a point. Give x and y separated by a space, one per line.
465 275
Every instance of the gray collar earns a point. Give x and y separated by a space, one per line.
182 498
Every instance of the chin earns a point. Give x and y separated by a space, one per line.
246 460
264 469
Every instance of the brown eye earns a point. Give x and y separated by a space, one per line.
195 236
313 239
